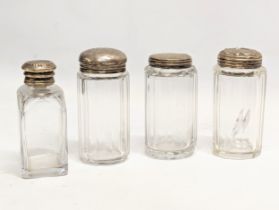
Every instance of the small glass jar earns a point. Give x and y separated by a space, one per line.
103 96
171 106
239 97
42 113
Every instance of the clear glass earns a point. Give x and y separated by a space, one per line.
42 113
103 117
171 112
239 97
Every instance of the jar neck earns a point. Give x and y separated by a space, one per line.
229 71
170 72
100 76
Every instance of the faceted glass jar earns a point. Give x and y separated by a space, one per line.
239 97
171 112
103 117
42 113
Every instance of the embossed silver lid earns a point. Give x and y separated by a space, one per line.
39 72
242 58
170 60
102 60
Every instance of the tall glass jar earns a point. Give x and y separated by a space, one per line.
240 81
42 114
103 96
171 106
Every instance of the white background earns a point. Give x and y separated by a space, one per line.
60 29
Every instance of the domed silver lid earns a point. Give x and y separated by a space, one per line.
102 60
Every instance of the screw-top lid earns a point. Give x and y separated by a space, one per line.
102 60
170 60
242 58
39 72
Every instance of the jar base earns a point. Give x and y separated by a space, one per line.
236 156
48 172
104 162
169 155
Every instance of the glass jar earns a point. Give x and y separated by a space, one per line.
171 106
103 96
42 113
239 96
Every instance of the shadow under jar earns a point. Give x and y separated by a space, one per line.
103 96
43 127
171 112
239 97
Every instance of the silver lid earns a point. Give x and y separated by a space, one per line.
39 72
242 58
102 60
170 60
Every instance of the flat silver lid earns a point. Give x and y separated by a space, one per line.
242 58
170 60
